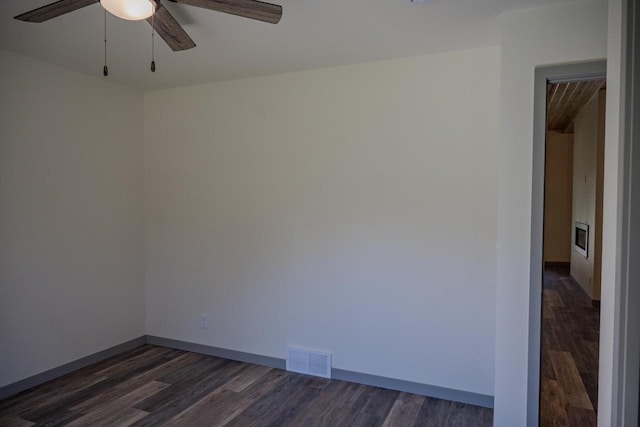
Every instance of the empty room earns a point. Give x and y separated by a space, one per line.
232 212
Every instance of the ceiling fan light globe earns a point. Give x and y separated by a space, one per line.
131 10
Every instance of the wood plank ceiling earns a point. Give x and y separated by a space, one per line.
565 100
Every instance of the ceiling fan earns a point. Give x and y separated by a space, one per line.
158 16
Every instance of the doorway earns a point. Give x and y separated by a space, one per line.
544 76
572 251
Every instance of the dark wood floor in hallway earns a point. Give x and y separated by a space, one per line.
569 365
151 386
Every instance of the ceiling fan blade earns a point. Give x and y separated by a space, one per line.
170 30
54 10
252 9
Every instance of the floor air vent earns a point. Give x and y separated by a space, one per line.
310 362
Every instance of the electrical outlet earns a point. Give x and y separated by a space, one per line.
204 321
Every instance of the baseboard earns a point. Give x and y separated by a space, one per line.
41 378
338 374
240 356
437 392
557 264
256 359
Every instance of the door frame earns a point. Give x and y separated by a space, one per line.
543 75
626 385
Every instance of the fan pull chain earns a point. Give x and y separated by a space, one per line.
153 46
105 70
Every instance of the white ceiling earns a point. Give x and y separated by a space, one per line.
311 34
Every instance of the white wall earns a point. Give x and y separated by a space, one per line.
585 145
552 35
351 209
71 234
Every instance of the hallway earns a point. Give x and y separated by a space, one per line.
569 365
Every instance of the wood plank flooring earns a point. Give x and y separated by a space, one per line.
152 386
569 363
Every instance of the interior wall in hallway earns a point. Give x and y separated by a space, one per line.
557 197
587 178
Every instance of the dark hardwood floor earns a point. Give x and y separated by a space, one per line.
569 364
151 386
